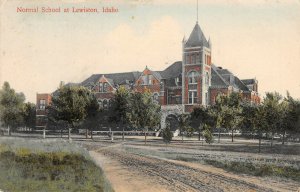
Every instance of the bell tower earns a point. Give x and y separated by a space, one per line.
196 69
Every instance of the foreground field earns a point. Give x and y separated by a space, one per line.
132 166
35 165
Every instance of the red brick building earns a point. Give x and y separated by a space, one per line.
42 101
191 82
194 81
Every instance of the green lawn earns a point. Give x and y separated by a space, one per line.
22 169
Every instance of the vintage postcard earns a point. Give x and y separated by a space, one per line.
149 95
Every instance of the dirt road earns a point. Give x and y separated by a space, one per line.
131 172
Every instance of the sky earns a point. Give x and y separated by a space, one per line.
253 39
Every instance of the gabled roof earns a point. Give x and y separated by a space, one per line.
172 71
156 75
113 78
231 80
111 81
217 81
197 38
240 84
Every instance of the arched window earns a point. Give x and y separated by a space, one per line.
192 87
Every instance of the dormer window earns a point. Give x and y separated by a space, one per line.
147 80
105 87
177 81
100 87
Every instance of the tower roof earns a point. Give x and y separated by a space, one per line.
197 38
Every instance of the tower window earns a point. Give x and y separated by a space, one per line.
193 58
192 97
42 104
192 87
192 77
198 58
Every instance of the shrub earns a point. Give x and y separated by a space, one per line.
189 131
167 134
207 134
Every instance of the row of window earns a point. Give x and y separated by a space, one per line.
193 58
193 97
192 86
106 103
196 58
103 87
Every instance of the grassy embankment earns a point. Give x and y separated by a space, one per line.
48 166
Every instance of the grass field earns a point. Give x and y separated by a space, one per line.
41 165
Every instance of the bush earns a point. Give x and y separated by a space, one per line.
207 134
189 131
167 134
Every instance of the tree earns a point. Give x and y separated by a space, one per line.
199 117
11 107
218 112
259 122
93 115
228 112
70 104
254 117
290 115
167 134
29 114
183 122
144 113
120 105
234 112
203 116
273 114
